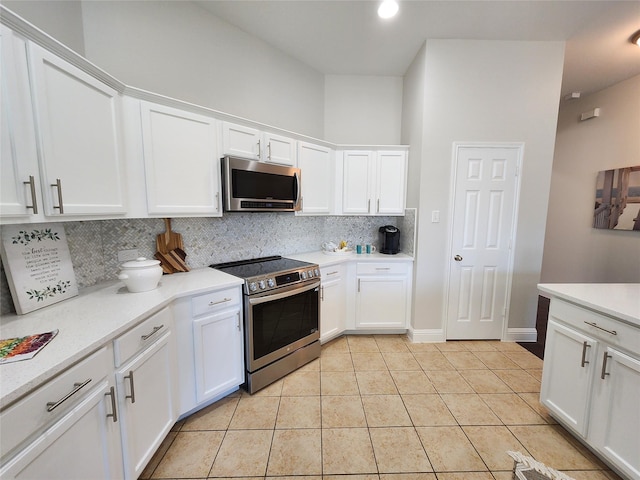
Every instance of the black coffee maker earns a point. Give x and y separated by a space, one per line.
389 239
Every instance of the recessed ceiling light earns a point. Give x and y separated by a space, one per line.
388 9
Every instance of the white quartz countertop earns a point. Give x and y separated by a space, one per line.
619 300
324 259
88 321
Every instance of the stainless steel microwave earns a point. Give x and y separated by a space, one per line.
252 186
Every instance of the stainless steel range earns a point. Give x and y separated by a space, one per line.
281 316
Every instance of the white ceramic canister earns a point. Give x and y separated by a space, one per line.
140 275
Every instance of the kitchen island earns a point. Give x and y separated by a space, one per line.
591 373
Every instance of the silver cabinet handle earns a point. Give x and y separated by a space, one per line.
32 187
58 186
594 324
259 149
112 394
378 207
604 365
76 388
211 304
238 325
368 205
358 285
383 268
153 332
457 258
322 294
269 151
332 273
585 345
133 392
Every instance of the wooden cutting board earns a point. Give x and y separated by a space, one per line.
167 241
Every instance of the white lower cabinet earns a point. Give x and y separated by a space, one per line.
591 382
382 295
67 429
145 385
210 347
217 341
333 302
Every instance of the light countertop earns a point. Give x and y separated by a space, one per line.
324 259
86 322
619 300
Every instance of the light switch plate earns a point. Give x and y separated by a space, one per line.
435 216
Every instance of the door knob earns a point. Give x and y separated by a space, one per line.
457 258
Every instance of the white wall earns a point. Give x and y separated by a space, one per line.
181 50
61 19
485 91
573 250
363 109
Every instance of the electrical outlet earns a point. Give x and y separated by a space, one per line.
126 255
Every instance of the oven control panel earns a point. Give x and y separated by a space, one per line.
269 282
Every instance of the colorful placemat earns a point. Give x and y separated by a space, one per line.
24 348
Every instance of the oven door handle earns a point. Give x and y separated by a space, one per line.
289 292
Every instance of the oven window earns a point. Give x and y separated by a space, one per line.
279 323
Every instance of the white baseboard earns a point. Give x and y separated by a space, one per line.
521 335
426 335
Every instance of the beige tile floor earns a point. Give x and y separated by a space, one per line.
379 407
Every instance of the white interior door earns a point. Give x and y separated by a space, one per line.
484 204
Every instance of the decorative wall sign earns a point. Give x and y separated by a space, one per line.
617 205
38 266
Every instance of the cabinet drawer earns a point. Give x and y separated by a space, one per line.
50 401
332 272
214 301
626 337
382 268
141 336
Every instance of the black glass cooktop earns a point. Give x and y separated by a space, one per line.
260 266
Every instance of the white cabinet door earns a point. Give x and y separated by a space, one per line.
280 150
147 410
181 165
316 164
615 412
20 194
241 141
356 188
79 120
218 353
333 303
567 375
391 180
381 302
85 443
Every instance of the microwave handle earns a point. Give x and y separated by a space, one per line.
297 185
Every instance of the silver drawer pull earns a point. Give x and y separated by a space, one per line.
332 273
584 361
58 186
383 268
51 406
594 324
112 394
32 186
153 332
604 365
211 304
133 392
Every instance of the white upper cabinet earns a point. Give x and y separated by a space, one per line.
374 182
317 167
254 144
281 150
241 141
78 121
20 194
356 187
391 181
181 162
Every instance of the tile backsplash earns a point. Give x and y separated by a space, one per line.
94 245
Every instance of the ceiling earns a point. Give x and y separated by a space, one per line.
346 37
